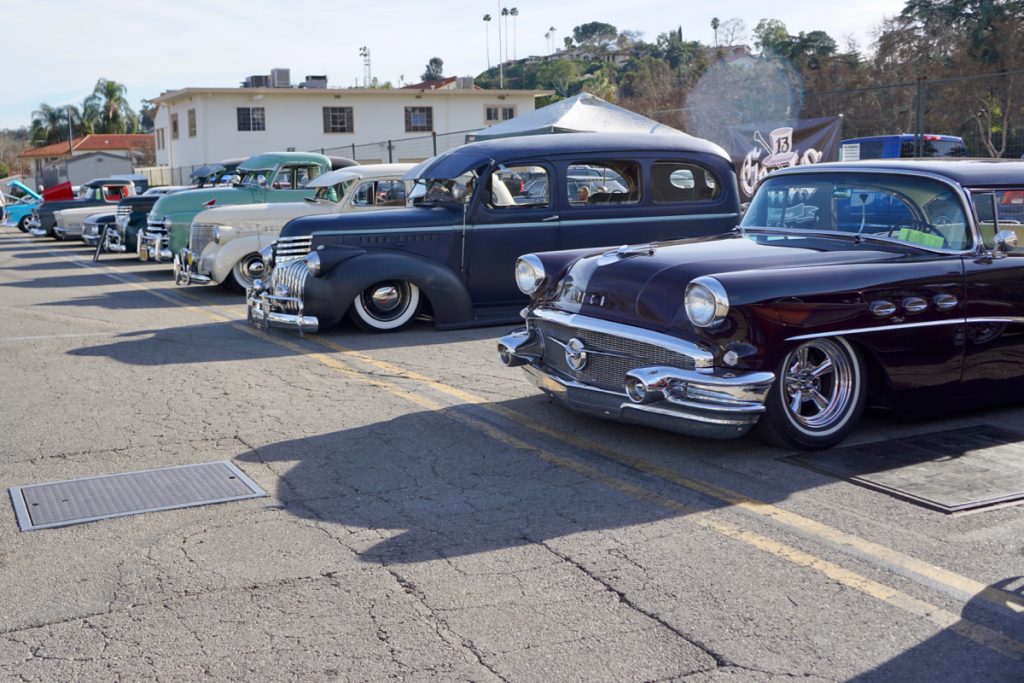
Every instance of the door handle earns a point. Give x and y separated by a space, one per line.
549 219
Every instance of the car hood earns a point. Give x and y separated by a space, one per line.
257 216
60 205
648 286
408 217
83 212
194 201
25 188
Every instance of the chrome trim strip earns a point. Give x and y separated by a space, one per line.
904 326
702 358
531 224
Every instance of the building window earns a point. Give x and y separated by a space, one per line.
252 118
191 123
338 120
498 114
174 126
419 119
159 138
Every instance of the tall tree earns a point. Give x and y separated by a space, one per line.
49 125
595 34
435 69
514 12
551 32
715 23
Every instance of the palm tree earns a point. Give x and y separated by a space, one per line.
116 115
49 125
487 34
504 16
515 51
551 31
714 27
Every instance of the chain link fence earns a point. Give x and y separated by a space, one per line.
985 110
402 150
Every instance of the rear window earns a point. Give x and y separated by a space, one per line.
675 181
603 182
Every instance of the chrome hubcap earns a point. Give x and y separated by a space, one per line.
818 383
252 268
386 298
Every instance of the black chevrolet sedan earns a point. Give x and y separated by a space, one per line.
451 253
896 283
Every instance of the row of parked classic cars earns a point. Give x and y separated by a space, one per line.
651 296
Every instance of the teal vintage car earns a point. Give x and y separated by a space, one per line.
264 178
18 214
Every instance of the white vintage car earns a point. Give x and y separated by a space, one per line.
224 243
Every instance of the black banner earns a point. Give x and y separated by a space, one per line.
757 149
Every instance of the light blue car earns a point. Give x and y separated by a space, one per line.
17 214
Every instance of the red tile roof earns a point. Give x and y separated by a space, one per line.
92 143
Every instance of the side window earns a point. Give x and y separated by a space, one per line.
1004 206
390 193
680 181
303 174
518 187
603 182
363 196
284 180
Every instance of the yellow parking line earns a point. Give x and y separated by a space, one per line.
942 618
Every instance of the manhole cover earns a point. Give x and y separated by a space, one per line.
62 503
951 471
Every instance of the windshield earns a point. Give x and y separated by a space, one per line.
911 209
333 193
443 190
253 177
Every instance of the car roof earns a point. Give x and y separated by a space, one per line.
99 182
358 173
457 161
259 162
966 172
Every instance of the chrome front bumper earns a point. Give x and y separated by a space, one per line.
713 403
186 270
66 231
261 311
35 228
154 247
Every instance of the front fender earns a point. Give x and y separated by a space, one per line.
329 296
226 255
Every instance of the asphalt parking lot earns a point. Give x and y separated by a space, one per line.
432 517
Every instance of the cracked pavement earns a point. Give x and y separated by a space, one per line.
413 534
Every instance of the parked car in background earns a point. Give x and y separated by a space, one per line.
95 193
794 322
18 211
452 252
128 218
224 243
263 178
902 146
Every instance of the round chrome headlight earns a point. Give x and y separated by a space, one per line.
706 302
529 274
313 263
267 254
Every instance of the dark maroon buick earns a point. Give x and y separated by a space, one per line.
896 283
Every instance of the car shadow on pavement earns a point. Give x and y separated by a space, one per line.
85 278
433 487
185 344
138 298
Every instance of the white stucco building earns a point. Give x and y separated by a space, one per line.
194 126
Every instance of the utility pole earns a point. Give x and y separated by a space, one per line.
364 52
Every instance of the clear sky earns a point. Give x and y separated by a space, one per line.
56 49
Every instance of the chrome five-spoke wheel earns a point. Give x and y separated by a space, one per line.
386 306
818 395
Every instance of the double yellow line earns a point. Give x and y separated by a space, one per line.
932 576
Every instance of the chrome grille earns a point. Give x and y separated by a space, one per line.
289 279
291 248
154 228
604 371
198 237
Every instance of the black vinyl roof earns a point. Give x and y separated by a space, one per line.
455 162
966 172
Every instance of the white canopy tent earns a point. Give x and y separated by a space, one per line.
583 113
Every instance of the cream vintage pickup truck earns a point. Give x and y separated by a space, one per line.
224 243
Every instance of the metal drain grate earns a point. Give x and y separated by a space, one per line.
62 503
953 471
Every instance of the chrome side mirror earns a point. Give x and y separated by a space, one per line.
1006 240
